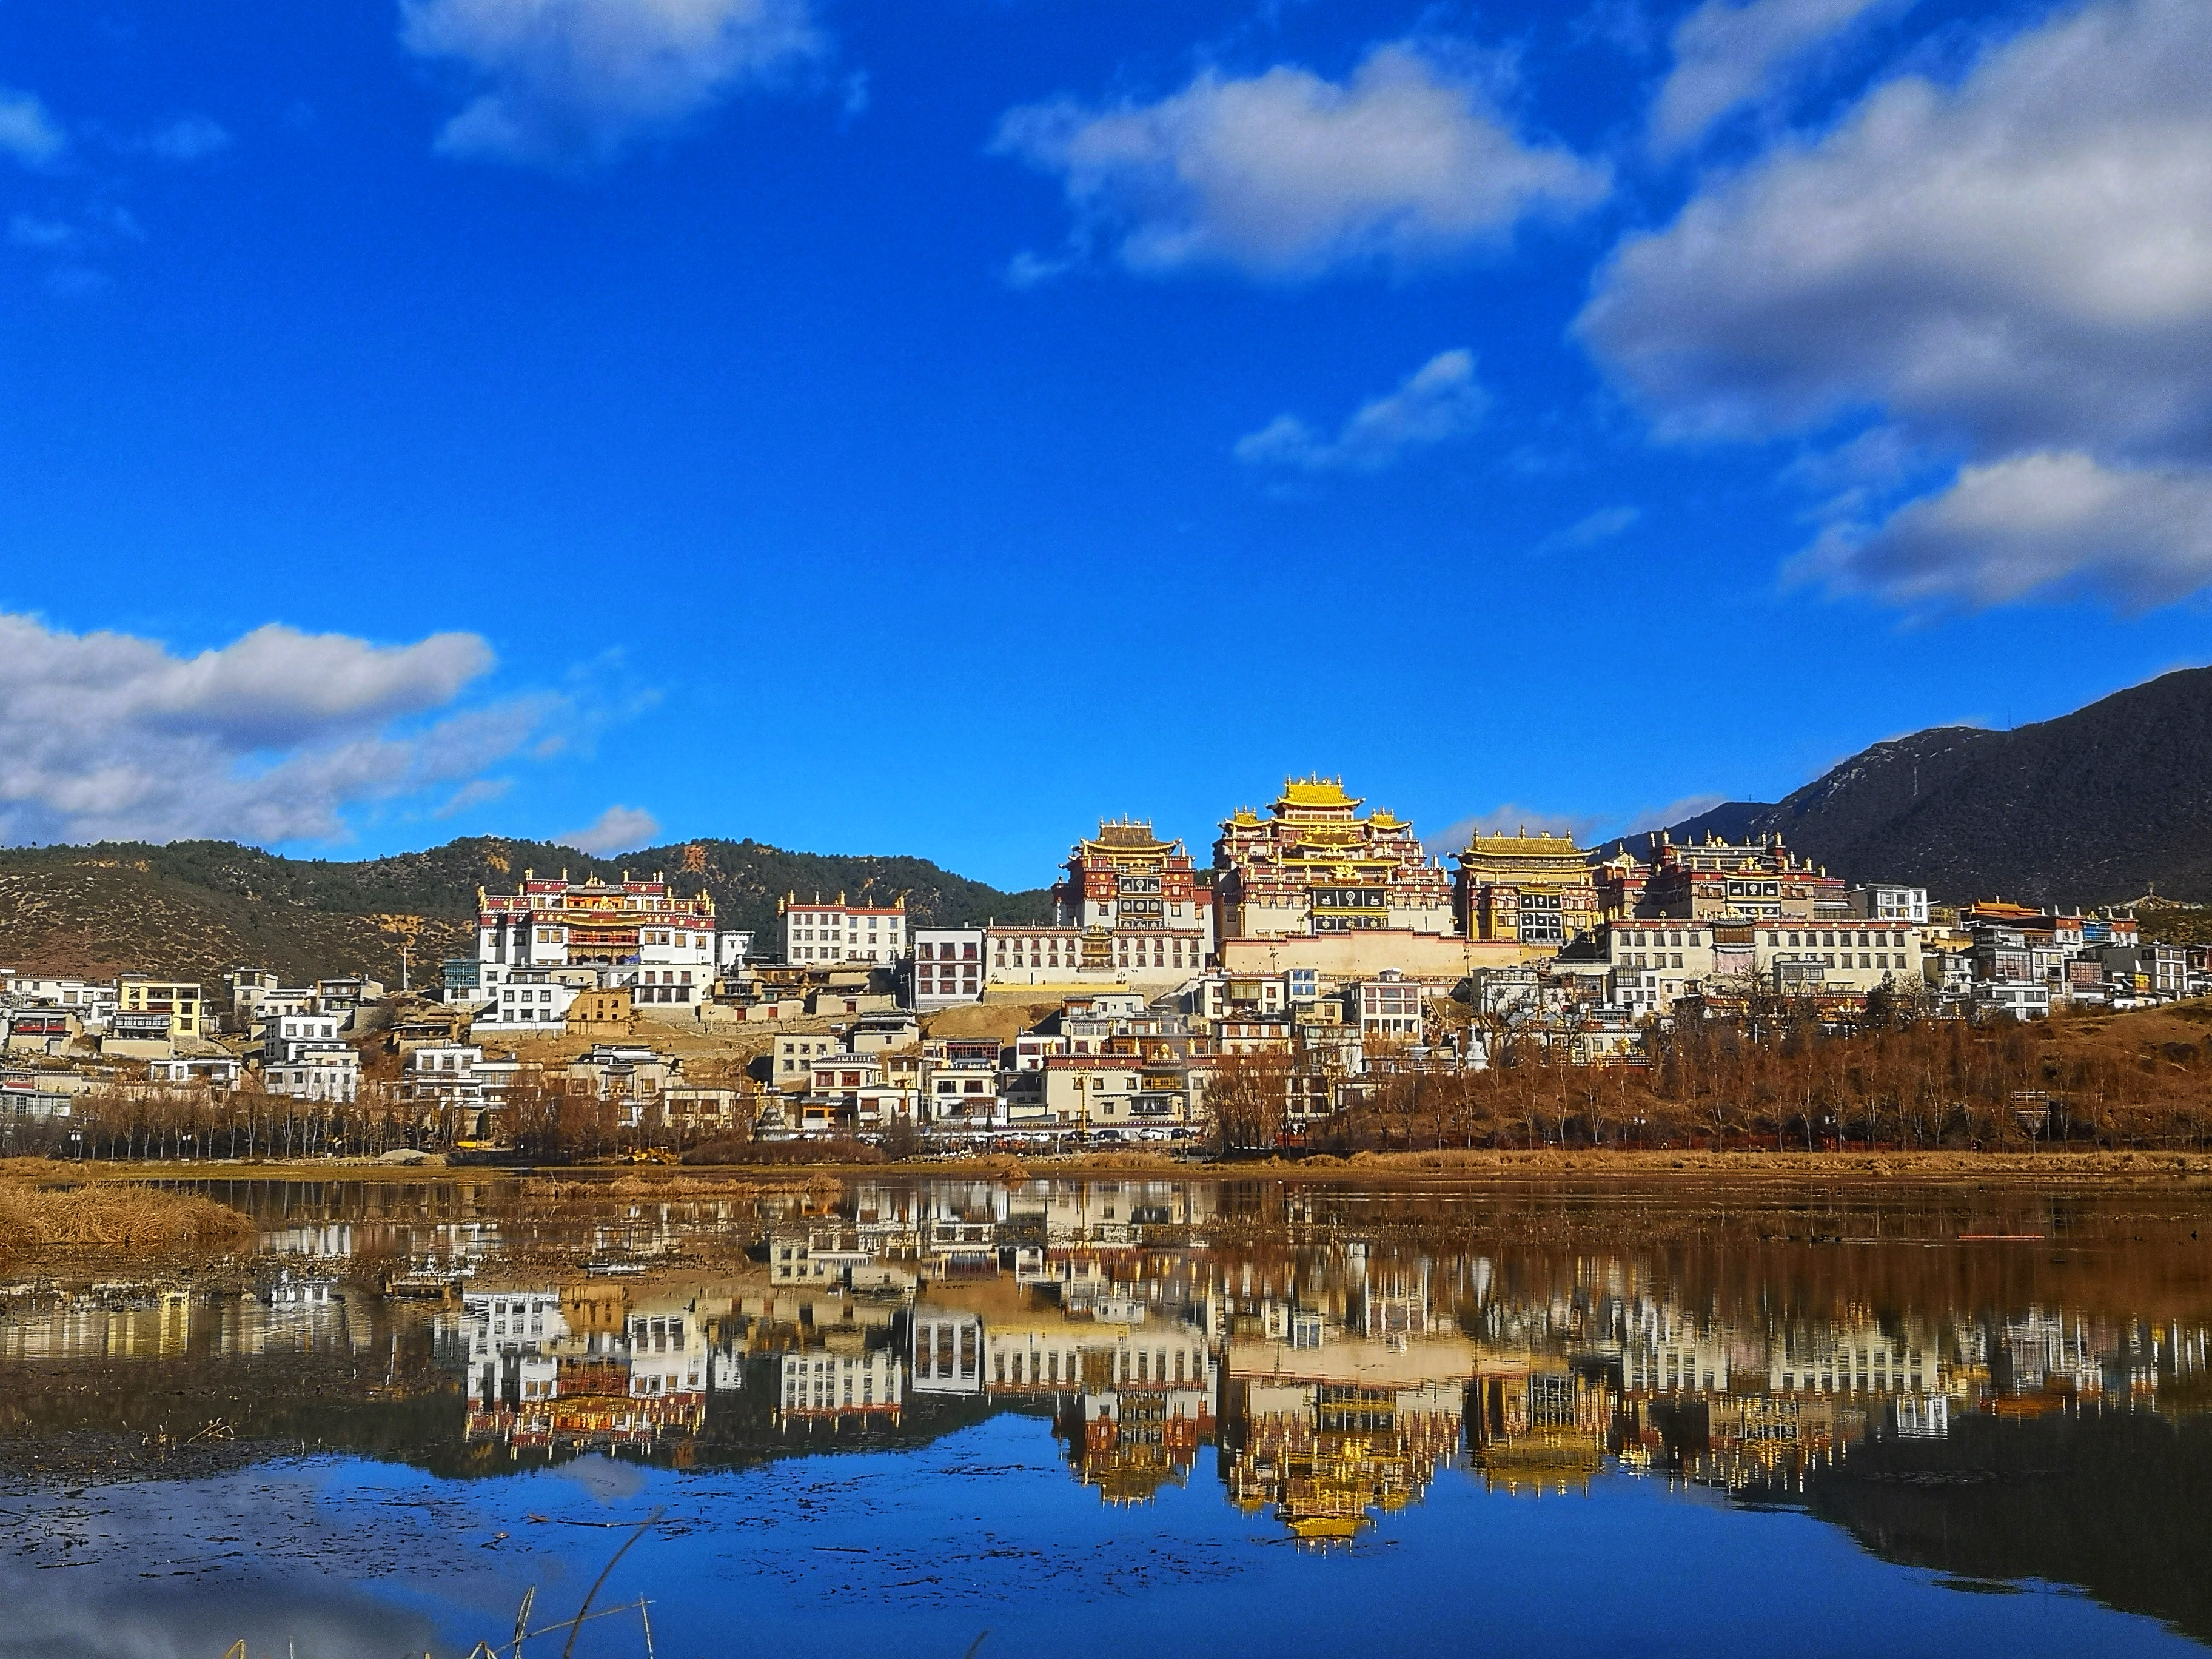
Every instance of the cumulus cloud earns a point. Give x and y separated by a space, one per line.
268 739
1602 525
192 139
617 830
1510 819
28 230
1674 812
1439 400
2014 272
1284 174
2031 524
1729 53
568 83
26 131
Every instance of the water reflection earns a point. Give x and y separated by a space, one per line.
1871 1358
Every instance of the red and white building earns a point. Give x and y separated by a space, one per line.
948 967
819 934
638 934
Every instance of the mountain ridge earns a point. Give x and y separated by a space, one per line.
199 908
2097 806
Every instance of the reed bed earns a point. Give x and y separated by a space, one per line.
113 1216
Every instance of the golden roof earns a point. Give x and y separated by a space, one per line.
1315 791
1522 845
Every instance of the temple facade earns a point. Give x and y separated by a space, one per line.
1313 865
596 924
1537 891
1131 910
1714 879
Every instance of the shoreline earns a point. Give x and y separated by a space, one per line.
1471 1167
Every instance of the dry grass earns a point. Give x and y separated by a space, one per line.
1002 1020
115 1216
1587 1161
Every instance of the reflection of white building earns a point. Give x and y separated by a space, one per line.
667 1355
500 1329
826 1384
1663 1353
948 1350
1832 1359
1923 1417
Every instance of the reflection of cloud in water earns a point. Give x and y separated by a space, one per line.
606 1481
59 1615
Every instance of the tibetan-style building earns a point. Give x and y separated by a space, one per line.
611 924
1131 911
1313 865
1714 879
1126 881
1537 891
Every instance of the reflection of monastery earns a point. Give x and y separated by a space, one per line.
1338 1373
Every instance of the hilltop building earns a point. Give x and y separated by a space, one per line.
1315 885
1719 880
1131 911
818 932
1537 891
634 932
1313 865
1131 894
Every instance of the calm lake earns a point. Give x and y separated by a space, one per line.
1119 1417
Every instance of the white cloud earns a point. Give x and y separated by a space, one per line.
26 131
25 230
1674 812
1602 525
267 739
192 139
617 830
2047 522
1509 820
575 82
1439 400
1728 54
2013 273
1284 174
477 792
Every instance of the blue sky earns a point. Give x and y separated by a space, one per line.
927 426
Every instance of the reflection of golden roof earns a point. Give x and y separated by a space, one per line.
1539 1461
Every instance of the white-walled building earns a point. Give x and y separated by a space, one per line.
286 1038
1390 1005
526 1000
1879 901
948 966
91 1001
1835 961
821 933
1654 962
332 1074
594 924
445 1074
